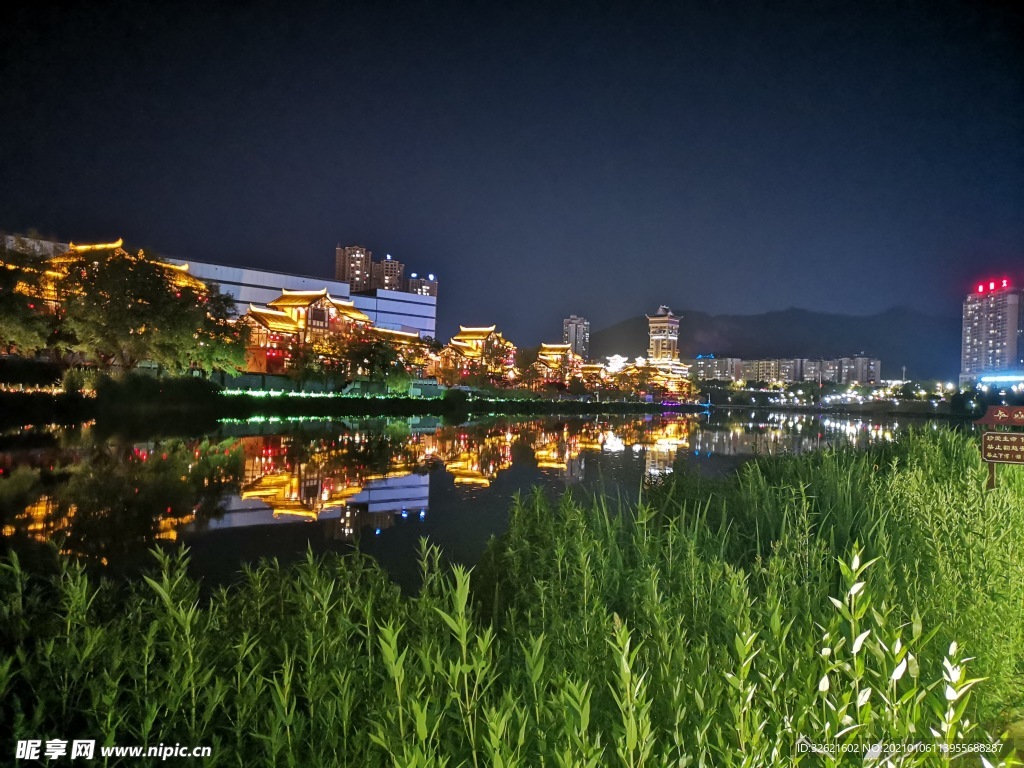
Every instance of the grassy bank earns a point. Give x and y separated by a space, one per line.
838 597
139 404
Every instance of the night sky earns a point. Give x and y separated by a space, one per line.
542 160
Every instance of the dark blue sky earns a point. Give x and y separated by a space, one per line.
542 159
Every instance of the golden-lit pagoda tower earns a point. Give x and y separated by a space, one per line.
663 331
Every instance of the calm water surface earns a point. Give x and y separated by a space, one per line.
275 489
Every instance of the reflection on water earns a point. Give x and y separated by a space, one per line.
273 489
105 499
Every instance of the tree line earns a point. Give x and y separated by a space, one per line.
114 309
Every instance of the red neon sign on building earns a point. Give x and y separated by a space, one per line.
994 285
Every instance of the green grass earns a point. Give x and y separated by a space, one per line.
843 597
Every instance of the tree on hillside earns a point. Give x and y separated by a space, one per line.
23 324
220 340
120 309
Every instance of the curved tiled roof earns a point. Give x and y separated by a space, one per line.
273 320
397 336
473 334
349 310
297 298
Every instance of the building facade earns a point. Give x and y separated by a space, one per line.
708 367
392 310
844 370
258 286
388 275
576 333
297 318
400 311
353 264
992 338
791 369
761 370
422 286
860 370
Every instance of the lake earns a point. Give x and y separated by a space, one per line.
273 488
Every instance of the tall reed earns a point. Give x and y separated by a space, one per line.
837 598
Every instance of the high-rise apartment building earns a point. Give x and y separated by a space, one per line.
832 370
576 333
708 367
422 286
761 370
388 275
791 369
663 334
822 371
993 330
353 264
844 370
860 370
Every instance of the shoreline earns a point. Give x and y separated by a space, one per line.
24 408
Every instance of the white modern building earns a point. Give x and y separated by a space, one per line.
258 286
400 311
392 310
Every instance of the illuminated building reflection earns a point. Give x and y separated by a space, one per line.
104 498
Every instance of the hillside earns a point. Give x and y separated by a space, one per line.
927 345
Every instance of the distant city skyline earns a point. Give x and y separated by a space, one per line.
726 157
992 329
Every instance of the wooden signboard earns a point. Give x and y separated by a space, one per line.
1002 447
